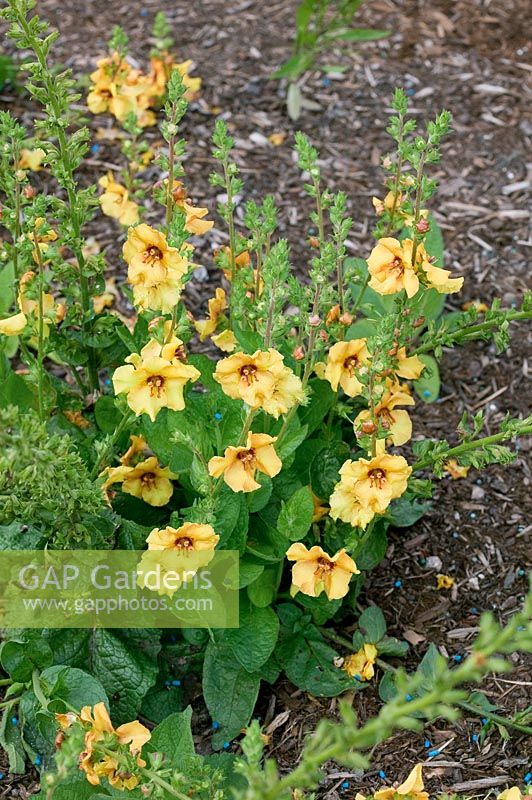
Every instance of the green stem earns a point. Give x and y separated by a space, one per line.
417 206
507 723
231 225
466 447
164 784
37 690
6 682
102 460
40 328
170 184
469 333
10 702
360 297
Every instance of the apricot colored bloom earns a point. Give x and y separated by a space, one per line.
387 204
513 793
367 487
453 468
115 201
343 360
191 536
153 383
251 378
438 278
396 421
444 581
31 159
191 84
408 367
138 447
287 391
238 465
412 787
391 269
146 480
315 572
479 307
29 309
194 215
242 260
319 510
360 664
226 341
217 305
150 257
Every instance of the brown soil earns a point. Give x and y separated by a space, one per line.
468 56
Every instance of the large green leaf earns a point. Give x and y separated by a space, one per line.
325 468
253 642
427 386
321 399
308 662
173 737
295 517
230 692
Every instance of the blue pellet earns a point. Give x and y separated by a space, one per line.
95 148
484 721
215 725
14 720
143 12
38 761
382 775
345 785
410 92
176 683
2 776
217 415
433 753
227 745
457 658
398 584
409 698
426 393
326 81
167 683
528 778
427 744
474 737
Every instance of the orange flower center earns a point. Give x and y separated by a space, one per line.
156 383
247 373
152 254
148 479
247 457
180 353
184 543
323 566
351 363
397 265
377 478
386 418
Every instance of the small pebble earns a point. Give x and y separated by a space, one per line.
398 584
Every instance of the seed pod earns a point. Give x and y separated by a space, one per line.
368 427
346 318
422 225
299 353
314 241
417 323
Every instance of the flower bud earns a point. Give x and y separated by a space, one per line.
29 192
422 225
299 353
324 336
346 318
152 324
314 241
333 315
368 427
314 321
417 323
393 350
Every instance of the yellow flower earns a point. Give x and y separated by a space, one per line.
396 421
391 269
226 341
319 510
368 486
194 216
360 665
444 581
251 378
153 383
453 468
13 326
147 481
411 787
191 84
343 360
115 201
479 307
408 367
217 306
239 464
513 793
242 260
438 278
190 537
149 256
315 572
287 391
138 446
31 159
29 309
387 204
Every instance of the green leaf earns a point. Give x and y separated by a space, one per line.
263 590
390 646
17 391
308 662
427 386
373 549
132 536
106 414
78 788
325 468
405 512
7 283
387 688
249 571
357 35
254 641
248 340
11 742
20 657
321 399
230 692
18 536
291 441
372 624
69 687
160 702
296 514
259 498
126 667
173 737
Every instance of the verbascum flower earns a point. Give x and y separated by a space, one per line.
439 279
191 84
150 257
408 367
315 572
367 487
393 419
115 201
29 309
513 793
31 159
190 537
251 378
226 341
153 383
444 581
412 787
217 305
360 665
343 361
390 202
287 391
146 480
195 221
242 260
238 465
136 451
391 269
453 468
